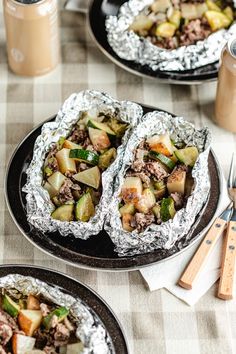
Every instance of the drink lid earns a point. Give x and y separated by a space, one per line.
232 46
28 2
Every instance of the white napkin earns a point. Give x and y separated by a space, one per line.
166 274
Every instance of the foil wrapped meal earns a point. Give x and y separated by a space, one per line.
129 46
165 235
90 330
39 206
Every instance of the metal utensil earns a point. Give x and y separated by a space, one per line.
225 290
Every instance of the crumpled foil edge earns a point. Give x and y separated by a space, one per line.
165 235
39 206
129 46
90 330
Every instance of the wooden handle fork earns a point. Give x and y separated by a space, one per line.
199 259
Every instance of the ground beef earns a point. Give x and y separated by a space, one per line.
50 350
65 193
144 178
43 338
5 333
69 325
44 309
156 169
138 165
194 31
61 335
54 321
178 200
141 221
78 135
90 147
4 317
53 151
88 144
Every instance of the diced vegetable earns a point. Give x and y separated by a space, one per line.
66 164
99 139
63 213
117 127
165 30
70 145
160 5
51 190
167 209
127 209
175 18
157 211
75 348
201 8
107 158
159 193
131 189
126 220
229 13
191 11
32 303
188 155
35 351
91 177
159 185
141 23
217 20
56 181
166 161
22 344
10 306
86 156
47 171
84 209
146 202
101 126
161 144
176 181
60 312
29 321
211 5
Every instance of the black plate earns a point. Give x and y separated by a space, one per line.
98 251
74 288
99 9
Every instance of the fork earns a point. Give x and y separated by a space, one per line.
225 290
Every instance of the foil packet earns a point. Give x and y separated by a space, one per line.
165 235
90 330
129 46
39 206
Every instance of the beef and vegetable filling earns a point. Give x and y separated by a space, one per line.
170 24
73 166
32 325
158 182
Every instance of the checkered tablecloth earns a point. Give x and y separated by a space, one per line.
157 322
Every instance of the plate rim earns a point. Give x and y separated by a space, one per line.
104 269
135 72
108 307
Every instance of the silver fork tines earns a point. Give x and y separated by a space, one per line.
231 179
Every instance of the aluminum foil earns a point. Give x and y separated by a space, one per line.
39 206
130 46
90 330
162 236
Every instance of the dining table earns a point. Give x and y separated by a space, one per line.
154 322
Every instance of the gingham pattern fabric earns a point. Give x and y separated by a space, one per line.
154 322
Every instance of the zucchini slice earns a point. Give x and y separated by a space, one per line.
84 209
166 161
91 177
87 156
167 210
188 155
70 145
101 126
63 213
60 312
127 209
10 306
107 158
99 139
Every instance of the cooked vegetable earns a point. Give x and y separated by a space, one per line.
99 139
127 209
188 155
189 11
201 8
107 158
91 177
217 20
10 306
101 126
159 193
229 13
70 145
84 209
51 190
29 321
131 189
47 171
126 220
60 312
146 201
211 5
56 181
66 164
166 161
75 348
165 30
86 156
159 185
22 344
161 144
167 210
157 211
175 18
64 213
160 5
117 127
32 303
140 23
176 181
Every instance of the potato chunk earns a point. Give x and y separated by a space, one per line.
176 181
131 189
